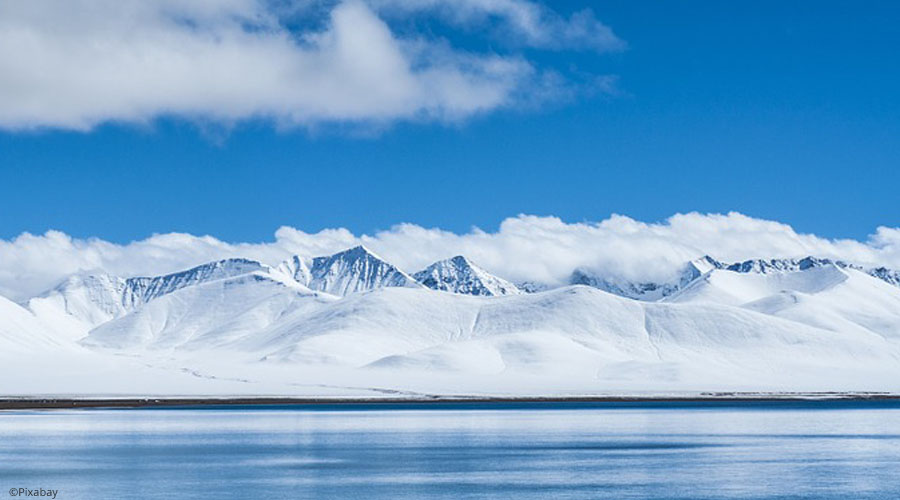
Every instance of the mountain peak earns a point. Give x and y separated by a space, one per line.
144 289
705 264
460 260
459 275
353 270
359 250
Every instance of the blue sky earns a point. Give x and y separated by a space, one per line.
774 109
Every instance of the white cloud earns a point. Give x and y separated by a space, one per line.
521 22
544 249
80 63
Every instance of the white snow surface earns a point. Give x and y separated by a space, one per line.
296 268
353 325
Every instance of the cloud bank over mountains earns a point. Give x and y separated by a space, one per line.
524 248
81 63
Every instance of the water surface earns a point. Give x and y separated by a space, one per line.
661 451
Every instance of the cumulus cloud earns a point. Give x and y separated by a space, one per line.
80 63
532 248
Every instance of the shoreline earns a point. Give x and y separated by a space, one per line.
263 402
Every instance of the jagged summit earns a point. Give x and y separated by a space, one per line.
761 266
459 275
781 265
355 270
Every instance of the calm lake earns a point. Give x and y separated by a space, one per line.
784 450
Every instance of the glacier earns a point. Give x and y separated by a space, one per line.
353 325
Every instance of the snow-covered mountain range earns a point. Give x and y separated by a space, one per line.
353 321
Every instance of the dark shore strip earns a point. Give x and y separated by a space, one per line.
455 402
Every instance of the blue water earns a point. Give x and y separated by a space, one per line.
659 451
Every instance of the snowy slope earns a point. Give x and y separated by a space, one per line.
556 330
355 270
577 332
459 275
209 315
83 302
21 331
824 295
738 287
859 303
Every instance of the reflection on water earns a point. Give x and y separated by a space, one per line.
823 450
